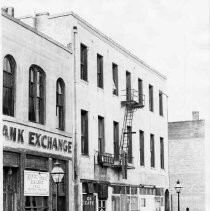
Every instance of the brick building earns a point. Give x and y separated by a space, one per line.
35 132
187 163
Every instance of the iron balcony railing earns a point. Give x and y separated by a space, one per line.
108 159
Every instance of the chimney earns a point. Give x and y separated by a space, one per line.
195 115
9 10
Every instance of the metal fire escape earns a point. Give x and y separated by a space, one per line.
133 101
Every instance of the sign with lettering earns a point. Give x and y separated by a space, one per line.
36 138
36 183
89 202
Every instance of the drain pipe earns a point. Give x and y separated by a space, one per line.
75 163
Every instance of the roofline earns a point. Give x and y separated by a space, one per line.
111 41
36 31
201 120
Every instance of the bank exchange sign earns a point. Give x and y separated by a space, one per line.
36 138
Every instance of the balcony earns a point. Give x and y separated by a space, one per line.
106 159
132 98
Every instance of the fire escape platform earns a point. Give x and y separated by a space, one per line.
133 104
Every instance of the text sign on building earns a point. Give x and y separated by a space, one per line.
89 201
35 138
36 183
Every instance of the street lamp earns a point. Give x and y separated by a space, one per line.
57 174
178 188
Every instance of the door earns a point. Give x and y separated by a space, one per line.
11 189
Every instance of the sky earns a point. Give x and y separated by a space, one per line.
171 36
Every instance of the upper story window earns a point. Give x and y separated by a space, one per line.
100 82
152 150
116 140
161 153
101 140
160 103
9 66
140 91
36 94
151 106
84 132
141 136
60 104
83 62
128 86
115 79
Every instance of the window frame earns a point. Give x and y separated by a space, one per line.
160 103
152 150
116 140
85 137
142 148
101 135
12 75
115 79
83 64
162 157
151 98
61 122
100 79
33 87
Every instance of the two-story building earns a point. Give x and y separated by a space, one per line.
37 78
120 120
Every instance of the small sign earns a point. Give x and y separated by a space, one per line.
89 201
36 183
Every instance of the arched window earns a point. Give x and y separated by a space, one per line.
60 100
9 66
36 94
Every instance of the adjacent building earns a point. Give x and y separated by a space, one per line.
107 106
187 162
37 78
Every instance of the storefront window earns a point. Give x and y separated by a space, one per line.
101 205
38 203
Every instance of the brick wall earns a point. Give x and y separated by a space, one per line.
186 163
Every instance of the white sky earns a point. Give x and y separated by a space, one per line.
171 36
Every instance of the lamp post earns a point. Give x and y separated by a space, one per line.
178 188
57 174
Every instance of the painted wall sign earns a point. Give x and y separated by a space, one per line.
37 139
89 202
36 183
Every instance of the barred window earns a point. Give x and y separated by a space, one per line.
9 66
36 94
60 102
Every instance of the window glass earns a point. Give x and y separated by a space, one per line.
60 100
8 85
36 94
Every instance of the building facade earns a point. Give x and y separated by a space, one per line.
113 140
187 163
120 122
37 74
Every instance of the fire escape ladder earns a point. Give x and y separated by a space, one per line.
128 120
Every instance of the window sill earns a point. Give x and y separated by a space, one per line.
114 95
86 156
100 89
153 168
84 82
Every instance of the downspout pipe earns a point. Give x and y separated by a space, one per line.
75 163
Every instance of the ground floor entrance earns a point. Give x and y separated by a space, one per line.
27 183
